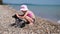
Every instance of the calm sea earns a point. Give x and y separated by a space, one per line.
51 12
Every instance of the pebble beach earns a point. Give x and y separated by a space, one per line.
41 26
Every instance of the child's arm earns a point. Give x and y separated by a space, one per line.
25 14
17 15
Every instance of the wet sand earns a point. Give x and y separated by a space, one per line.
41 26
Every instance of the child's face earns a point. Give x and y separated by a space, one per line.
24 11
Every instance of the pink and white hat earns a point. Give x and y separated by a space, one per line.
23 7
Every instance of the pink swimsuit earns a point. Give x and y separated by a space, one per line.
30 14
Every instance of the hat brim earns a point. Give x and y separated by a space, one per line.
23 9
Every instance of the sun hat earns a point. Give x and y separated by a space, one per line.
23 7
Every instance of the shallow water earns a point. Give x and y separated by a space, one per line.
51 12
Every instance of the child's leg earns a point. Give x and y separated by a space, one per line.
29 19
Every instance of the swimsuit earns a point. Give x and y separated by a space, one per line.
30 15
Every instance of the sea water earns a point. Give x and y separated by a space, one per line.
51 12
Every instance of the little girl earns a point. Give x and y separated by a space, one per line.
28 15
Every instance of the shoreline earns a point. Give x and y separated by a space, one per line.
15 11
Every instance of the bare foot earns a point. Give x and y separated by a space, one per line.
31 24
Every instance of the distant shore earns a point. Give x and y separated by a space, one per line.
1 2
